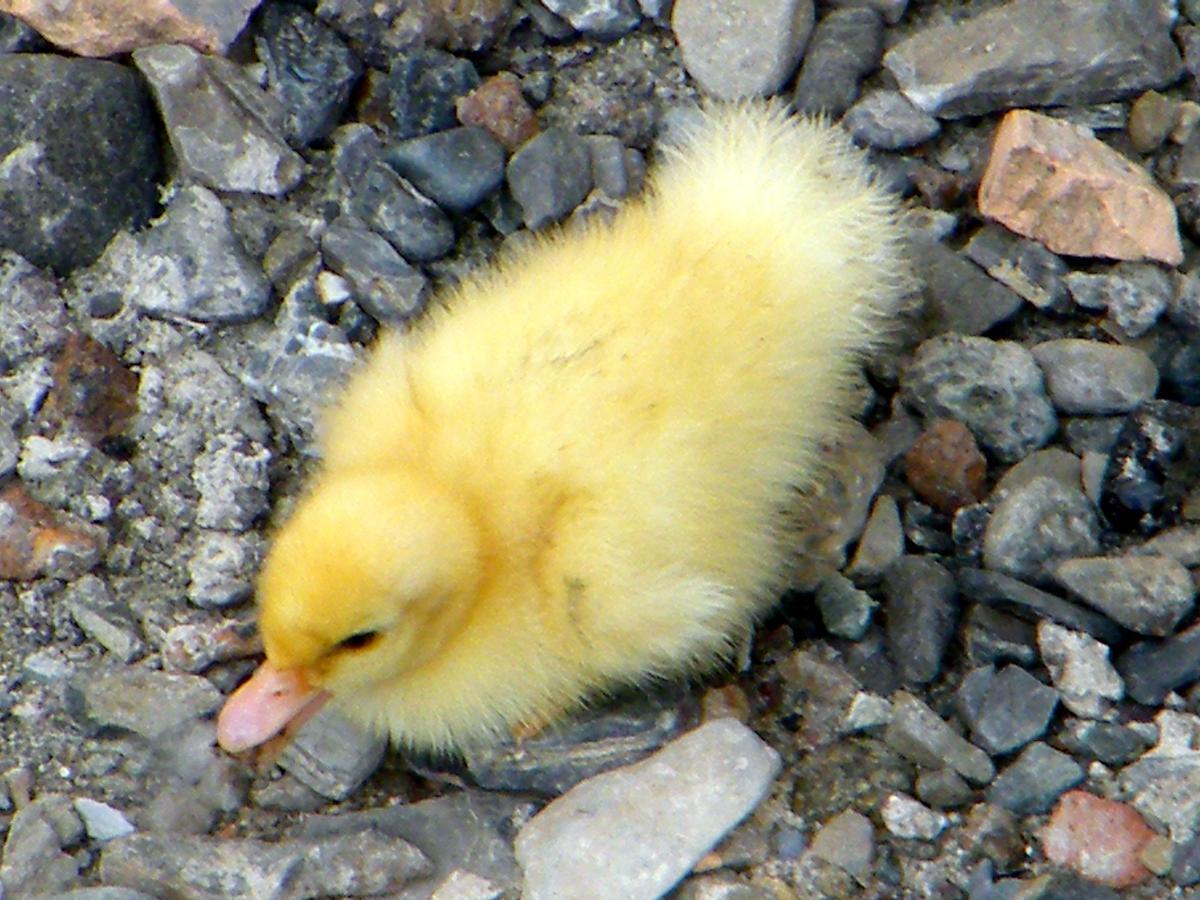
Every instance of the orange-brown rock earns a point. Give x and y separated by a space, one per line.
498 107
93 393
1054 182
36 540
945 466
1098 838
108 27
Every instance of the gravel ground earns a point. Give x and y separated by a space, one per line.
981 683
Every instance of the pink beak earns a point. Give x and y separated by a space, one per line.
271 700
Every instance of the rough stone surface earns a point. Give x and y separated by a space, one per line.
848 841
37 541
1025 267
145 702
921 735
550 176
959 296
79 157
1091 378
665 813
846 46
1146 594
1037 53
1080 669
604 19
107 28
741 48
921 616
1061 522
1135 294
332 755
456 168
1035 780
1049 180
1100 839
945 466
886 119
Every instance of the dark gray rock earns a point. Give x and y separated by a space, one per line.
1108 742
887 120
995 388
995 589
1135 294
357 864
844 48
1185 866
921 616
919 734
411 223
943 789
1092 378
617 171
17 37
991 636
104 619
1183 308
845 610
1015 709
587 744
310 70
333 755
1146 594
420 91
143 701
549 176
79 143
456 168
959 296
1152 669
1038 53
1153 464
1035 780
384 285
1038 524
226 131
1024 266
189 265
33 859
602 19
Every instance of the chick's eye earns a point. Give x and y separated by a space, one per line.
358 641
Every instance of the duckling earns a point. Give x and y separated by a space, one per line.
569 476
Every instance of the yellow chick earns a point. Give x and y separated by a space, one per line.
570 476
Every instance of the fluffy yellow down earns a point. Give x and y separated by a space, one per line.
569 476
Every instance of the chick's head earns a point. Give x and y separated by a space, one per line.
370 577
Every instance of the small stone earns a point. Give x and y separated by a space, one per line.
103 619
1161 785
959 296
1098 838
310 70
845 610
1181 544
887 120
189 265
1152 669
419 92
1016 708
221 568
1035 780
702 785
1079 666
603 19
991 636
906 818
1062 521
455 168
1185 867
152 704
94 393
943 789
333 755
387 288
1048 180
549 176
232 481
919 734
866 711
1036 53
193 648
225 130
848 842
1091 378
1151 119
617 172
108 28
499 107
846 46
33 861
1135 294
462 885
103 823
881 544
1023 266
1146 594
945 466
36 541
922 615
739 48
1000 590
1111 744
951 376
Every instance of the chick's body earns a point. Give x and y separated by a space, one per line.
570 476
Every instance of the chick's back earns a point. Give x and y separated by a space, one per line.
625 408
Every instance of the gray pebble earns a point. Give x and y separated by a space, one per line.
189 265
143 701
885 119
909 819
602 19
991 636
103 823
1049 462
1015 709
1135 294
231 478
1146 594
456 168
891 10
881 544
1181 544
35 315
1161 785
959 296
848 842
226 131
33 861
845 610
921 616
1107 742
635 832
103 619
1024 266
386 287
421 88
741 48
221 568
995 388
1184 306
1037 525
920 735
1080 668
617 171
943 789
549 176
845 47
1035 780
333 755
